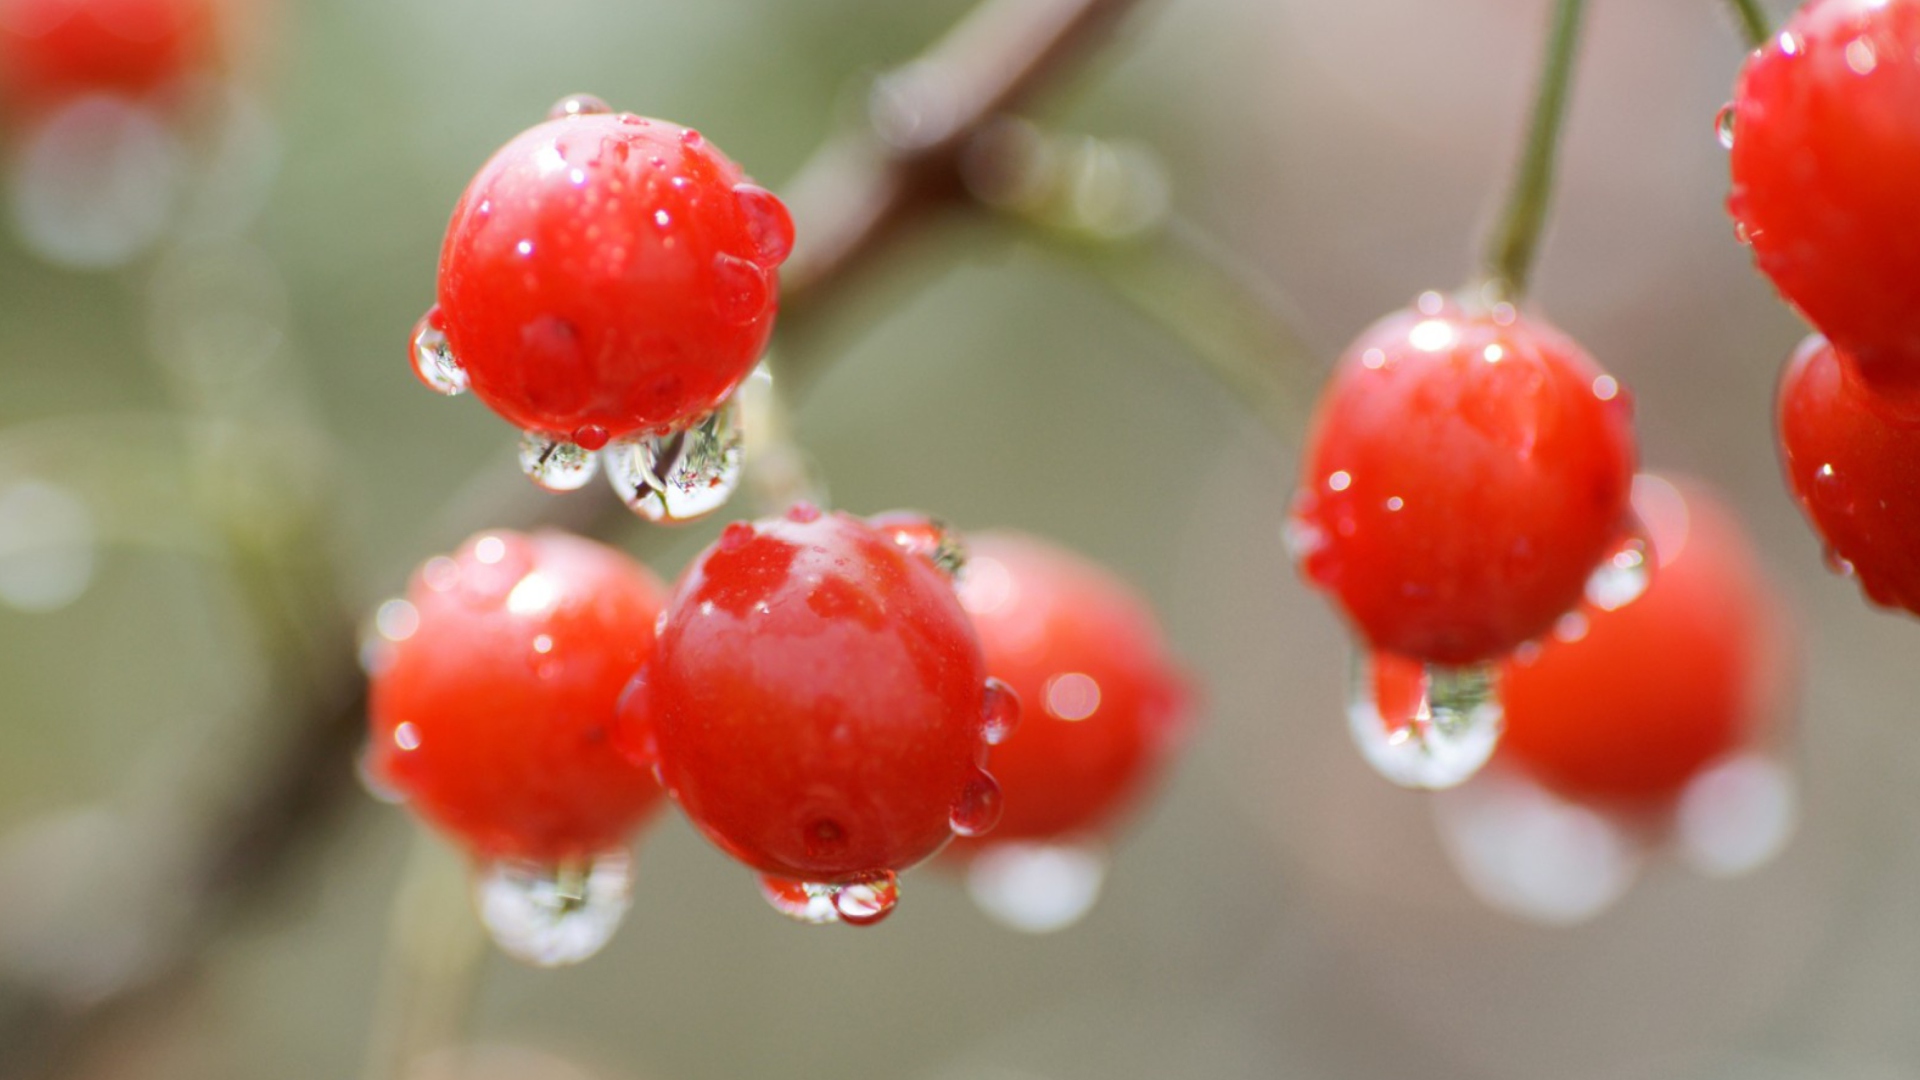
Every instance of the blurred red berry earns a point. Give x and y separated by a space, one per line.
51 50
1850 458
817 705
495 690
1105 704
1464 475
1825 129
1625 707
606 275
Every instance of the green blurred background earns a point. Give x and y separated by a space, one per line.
1278 911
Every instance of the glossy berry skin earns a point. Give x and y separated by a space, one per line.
1849 458
52 50
609 274
1625 707
1105 706
1464 473
815 701
494 712
1826 145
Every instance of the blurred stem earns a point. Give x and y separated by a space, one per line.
1753 21
1516 235
1233 321
436 954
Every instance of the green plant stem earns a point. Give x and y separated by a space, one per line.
436 954
1516 235
1753 21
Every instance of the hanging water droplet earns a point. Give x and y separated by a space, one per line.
681 476
868 900
769 226
1723 125
1443 735
802 901
555 464
551 916
578 105
999 712
1621 577
1524 851
1736 816
978 808
433 359
1037 888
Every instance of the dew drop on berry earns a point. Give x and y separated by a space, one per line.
769 226
373 779
591 437
433 359
578 105
741 292
555 464
978 808
1036 888
551 916
1723 125
802 901
803 513
1424 726
999 712
868 900
1623 576
681 476
1736 815
1526 852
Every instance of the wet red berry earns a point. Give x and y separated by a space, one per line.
1825 128
495 689
1104 704
816 702
51 50
1625 707
1464 474
609 274
1850 458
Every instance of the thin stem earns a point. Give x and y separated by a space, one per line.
1754 25
431 972
1516 235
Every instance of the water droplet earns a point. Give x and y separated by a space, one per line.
590 437
869 899
803 513
1447 729
692 139
373 779
741 291
1037 888
769 226
978 808
1736 816
927 537
1837 563
1622 577
736 535
1723 125
47 545
681 476
578 105
551 916
999 712
802 901
433 359
1741 233
1526 852
555 464
1301 538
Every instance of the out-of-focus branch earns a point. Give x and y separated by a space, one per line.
863 190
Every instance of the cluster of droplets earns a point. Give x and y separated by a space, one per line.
861 902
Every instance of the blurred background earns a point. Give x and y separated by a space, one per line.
207 402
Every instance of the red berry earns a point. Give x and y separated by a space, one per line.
1105 704
1849 457
1464 475
1825 127
606 275
1626 707
815 704
495 693
56 49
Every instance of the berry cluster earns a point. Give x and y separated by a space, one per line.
1824 134
53 51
